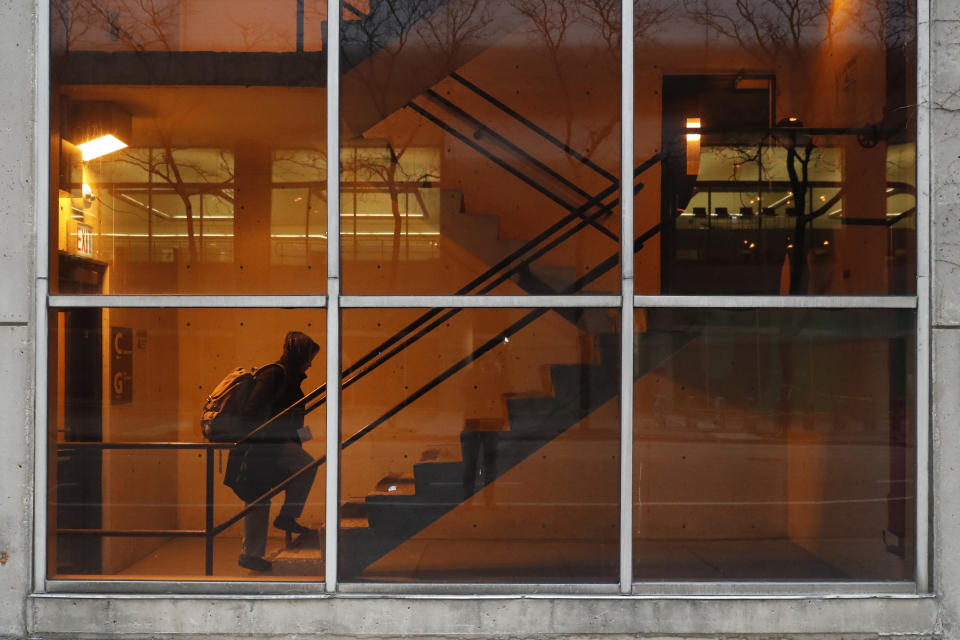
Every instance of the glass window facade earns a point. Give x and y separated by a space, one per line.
481 316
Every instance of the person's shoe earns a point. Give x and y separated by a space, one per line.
254 563
290 525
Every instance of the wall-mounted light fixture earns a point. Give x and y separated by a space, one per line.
100 146
89 130
98 128
693 146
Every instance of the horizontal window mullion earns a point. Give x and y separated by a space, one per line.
779 302
391 301
186 301
372 302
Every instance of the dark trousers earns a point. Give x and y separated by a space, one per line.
288 457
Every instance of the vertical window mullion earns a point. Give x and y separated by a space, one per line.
923 283
41 168
332 518
626 296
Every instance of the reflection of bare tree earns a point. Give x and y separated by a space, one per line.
139 25
788 29
451 31
561 27
164 166
549 21
799 152
604 18
785 34
390 32
801 156
771 29
389 173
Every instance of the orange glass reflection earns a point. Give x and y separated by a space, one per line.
484 146
774 445
221 188
137 492
803 181
484 451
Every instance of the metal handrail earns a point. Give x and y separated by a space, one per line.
209 531
500 162
546 135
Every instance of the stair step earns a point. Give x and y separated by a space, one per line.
297 562
353 508
516 446
557 277
400 516
486 424
522 407
571 380
439 481
440 453
396 484
304 557
608 346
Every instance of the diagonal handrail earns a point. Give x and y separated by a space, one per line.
546 135
485 129
501 163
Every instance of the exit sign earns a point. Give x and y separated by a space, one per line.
84 240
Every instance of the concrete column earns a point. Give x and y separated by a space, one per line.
945 230
17 215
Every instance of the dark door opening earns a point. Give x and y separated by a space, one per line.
79 470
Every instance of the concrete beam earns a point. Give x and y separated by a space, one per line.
345 616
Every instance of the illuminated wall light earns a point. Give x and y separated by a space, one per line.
100 147
97 127
693 146
88 196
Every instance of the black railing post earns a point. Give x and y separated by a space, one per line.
299 26
208 524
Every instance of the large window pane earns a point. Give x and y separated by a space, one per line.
485 451
774 445
220 187
797 177
129 467
472 130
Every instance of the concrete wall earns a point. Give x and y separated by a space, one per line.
76 616
944 115
17 212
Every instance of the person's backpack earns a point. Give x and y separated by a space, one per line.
222 419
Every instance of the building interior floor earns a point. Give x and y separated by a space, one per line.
417 561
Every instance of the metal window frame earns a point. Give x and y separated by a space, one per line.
334 301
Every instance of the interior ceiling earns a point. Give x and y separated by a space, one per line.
218 117
225 117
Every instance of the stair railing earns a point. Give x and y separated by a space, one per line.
592 275
546 135
503 163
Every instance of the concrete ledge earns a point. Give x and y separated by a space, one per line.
131 616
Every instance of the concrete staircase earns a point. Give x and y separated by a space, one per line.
401 505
